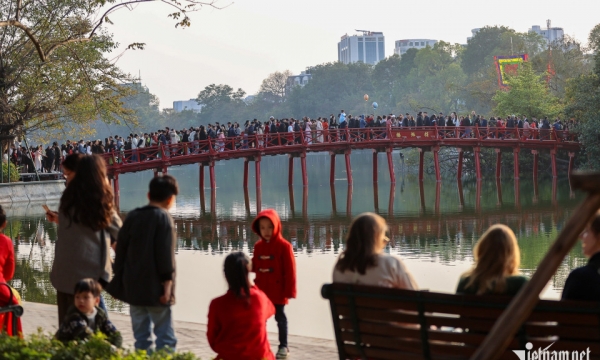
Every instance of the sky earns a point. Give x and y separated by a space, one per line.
245 41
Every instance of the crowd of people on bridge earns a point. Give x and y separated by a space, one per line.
286 131
89 228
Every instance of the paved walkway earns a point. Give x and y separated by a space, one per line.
191 336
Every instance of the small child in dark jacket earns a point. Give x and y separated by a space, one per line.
85 317
275 268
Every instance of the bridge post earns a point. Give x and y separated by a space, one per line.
332 168
438 190
478 196
535 164
303 166
391 200
257 171
333 199
476 152
516 162
258 197
290 170
436 161
391 165
376 197
245 172
349 201
499 192
571 161
553 160
116 190
421 163
348 167
375 165
461 195
517 194
213 183
460 164
200 177
498 163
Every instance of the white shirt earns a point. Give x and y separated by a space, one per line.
389 272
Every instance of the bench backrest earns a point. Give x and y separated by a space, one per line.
382 323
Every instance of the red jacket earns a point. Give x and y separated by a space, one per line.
237 329
274 263
7 259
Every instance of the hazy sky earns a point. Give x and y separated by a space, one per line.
243 43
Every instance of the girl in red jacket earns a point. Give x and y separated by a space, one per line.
275 268
8 295
237 321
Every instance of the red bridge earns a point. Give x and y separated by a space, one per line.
343 141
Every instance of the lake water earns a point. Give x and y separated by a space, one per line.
433 227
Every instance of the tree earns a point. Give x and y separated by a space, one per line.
220 102
480 47
527 95
583 104
53 70
273 87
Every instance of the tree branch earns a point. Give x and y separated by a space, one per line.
29 34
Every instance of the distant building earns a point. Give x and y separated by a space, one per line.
551 34
368 48
297 80
473 33
402 46
191 104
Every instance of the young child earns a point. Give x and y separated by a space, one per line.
237 321
275 268
86 317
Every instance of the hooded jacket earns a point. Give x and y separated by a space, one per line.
273 262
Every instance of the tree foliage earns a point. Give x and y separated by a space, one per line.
527 95
54 73
273 87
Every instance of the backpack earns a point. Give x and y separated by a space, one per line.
141 142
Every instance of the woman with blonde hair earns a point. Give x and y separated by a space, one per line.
497 260
363 260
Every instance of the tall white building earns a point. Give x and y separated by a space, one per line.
368 48
190 104
402 46
551 34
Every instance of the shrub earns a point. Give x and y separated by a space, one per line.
42 346
14 173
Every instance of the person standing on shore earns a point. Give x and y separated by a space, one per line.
145 266
275 268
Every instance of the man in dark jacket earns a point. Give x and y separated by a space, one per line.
145 266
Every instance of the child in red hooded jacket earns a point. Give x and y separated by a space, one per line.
275 268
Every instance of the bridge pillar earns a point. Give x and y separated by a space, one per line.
257 172
571 161
460 164
476 152
517 194
438 191
245 172
116 190
391 165
461 195
436 161
391 200
201 177
332 168
421 163
375 166
258 197
348 167
516 162
211 169
478 196
498 163
303 166
376 197
333 199
349 201
553 160
535 164
291 170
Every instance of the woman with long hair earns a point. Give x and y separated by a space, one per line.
87 225
237 320
496 269
363 260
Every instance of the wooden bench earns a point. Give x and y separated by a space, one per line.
382 323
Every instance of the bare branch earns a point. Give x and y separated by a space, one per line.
29 34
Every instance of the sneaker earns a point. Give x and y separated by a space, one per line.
282 353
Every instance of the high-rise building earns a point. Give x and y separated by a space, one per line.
551 34
190 105
368 48
402 46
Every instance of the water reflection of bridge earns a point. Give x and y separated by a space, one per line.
211 232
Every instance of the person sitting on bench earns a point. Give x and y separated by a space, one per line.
496 269
363 261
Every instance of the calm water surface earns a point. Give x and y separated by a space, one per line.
433 227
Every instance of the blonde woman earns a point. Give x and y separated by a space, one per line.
364 262
496 269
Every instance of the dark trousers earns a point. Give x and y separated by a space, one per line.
282 325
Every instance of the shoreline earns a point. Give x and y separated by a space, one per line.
190 336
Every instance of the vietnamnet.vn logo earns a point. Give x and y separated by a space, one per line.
546 354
